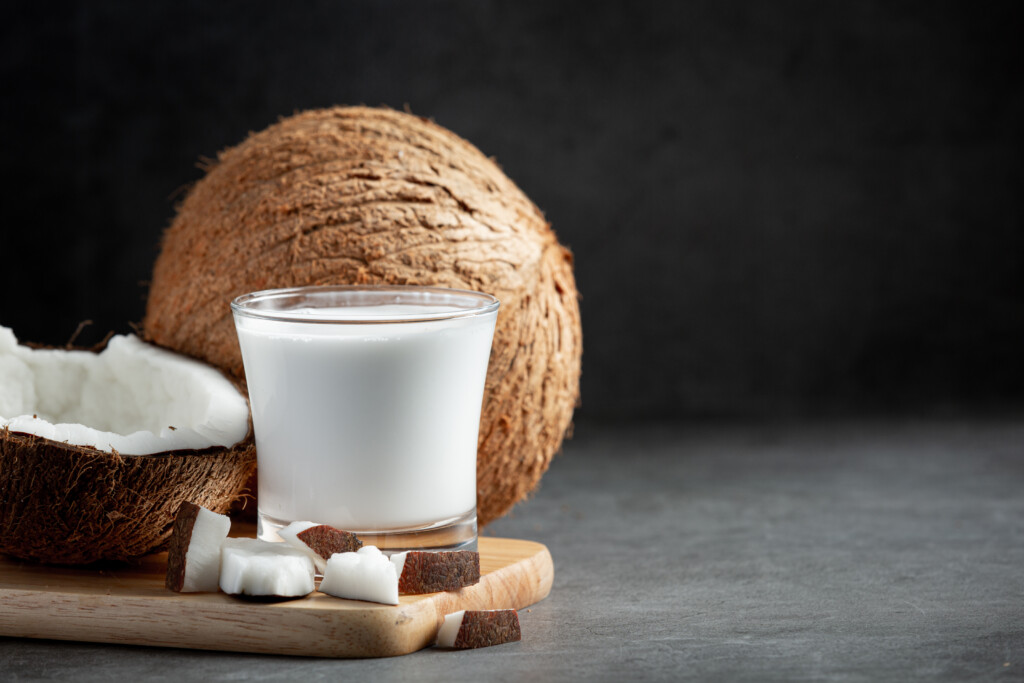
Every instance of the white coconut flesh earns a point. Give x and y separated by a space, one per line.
202 560
132 398
249 566
449 630
398 559
290 535
366 574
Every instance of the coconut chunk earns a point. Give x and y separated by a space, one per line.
319 541
430 572
366 574
469 629
289 535
132 397
253 567
193 559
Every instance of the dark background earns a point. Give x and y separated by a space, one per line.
777 209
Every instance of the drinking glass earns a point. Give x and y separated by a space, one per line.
366 408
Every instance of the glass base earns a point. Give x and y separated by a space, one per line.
457 533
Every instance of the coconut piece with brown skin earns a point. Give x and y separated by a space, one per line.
357 195
99 450
325 540
319 541
430 572
470 629
193 557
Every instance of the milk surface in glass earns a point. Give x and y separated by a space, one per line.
368 424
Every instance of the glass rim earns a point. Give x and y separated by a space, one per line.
486 303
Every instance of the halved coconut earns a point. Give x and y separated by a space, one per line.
99 450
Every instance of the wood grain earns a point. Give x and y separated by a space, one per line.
129 605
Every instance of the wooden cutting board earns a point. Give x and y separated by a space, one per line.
130 605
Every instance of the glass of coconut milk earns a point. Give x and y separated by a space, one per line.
366 407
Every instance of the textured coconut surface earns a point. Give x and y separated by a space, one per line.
67 504
425 572
177 551
325 540
131 605
356 195
484 628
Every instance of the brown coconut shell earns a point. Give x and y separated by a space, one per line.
325 540
64 504
484 628
432 572
177 548
357 195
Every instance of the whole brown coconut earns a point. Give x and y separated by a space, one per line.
357 195
65 504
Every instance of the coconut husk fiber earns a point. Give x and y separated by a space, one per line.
65 504
357 195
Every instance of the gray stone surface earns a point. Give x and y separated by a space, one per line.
842 551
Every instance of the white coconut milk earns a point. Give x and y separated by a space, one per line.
366 426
